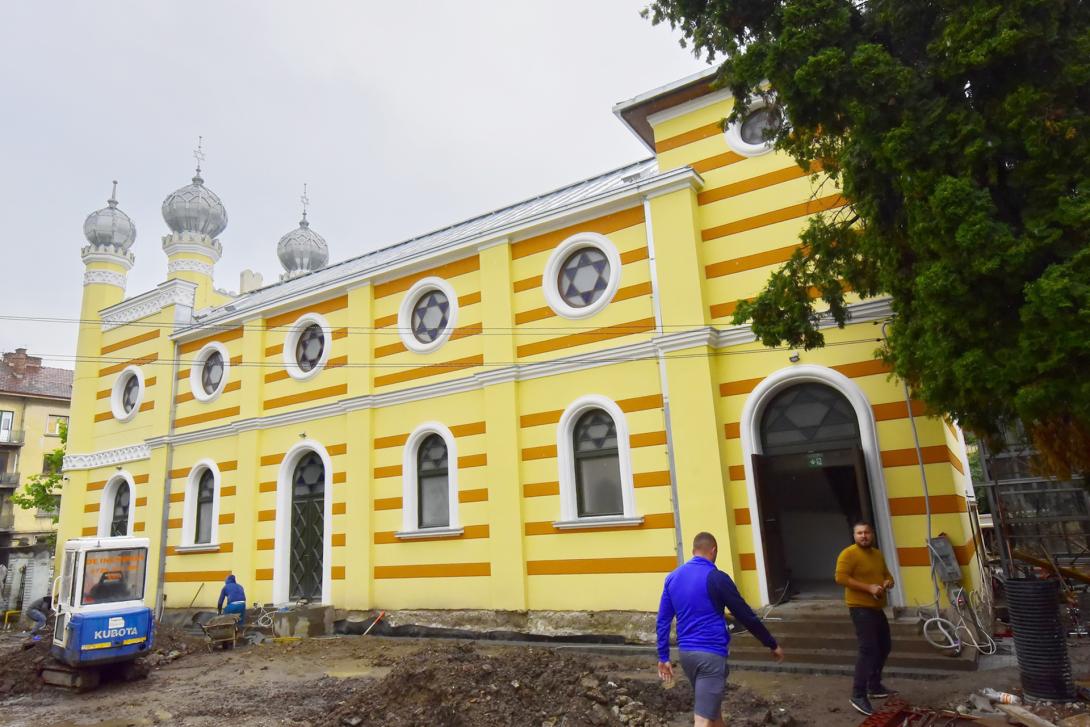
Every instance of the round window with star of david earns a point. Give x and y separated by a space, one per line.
582 275
306 348
426 316
208 375
127 394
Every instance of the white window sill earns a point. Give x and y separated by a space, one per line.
202 548
598 522
429 533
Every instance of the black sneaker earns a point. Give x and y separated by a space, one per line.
862 705
881 692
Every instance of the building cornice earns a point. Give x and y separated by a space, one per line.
177 243
106 457
174 292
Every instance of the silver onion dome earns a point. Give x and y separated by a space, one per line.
302 250
110 226
195 208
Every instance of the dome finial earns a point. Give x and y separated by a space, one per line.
198 154
306 201
112 201
109 226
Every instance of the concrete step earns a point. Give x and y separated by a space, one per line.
817 655
908 628
836 641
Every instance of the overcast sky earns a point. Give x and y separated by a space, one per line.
401 118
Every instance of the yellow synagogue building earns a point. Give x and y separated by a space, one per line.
531 410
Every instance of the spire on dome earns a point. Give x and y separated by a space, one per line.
302 250
195 208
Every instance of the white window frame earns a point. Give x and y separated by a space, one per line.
282 532
565 458
189 507
106 504
196 370
405 314
733 132
118 391
410 518
572 244
292 339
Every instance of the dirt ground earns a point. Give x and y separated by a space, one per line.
366 681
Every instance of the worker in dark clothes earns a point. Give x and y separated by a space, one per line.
862 571
38 611
235 597
696 594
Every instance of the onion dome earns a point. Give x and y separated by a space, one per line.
110 226
302 250
195 208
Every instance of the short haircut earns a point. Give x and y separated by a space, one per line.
861 524
704 542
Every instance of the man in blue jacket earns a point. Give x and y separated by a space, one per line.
696 593
235 597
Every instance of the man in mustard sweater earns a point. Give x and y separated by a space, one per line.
862 571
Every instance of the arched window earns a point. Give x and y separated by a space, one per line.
597 465
808 417
433 495
206 499
307 528
119 516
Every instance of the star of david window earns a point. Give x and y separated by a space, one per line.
202 532
309 347
119 517
583 277
597 465
433 498
212 373
130 395
807 418
430 316
760 125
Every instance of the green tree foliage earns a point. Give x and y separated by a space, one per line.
958 131
43 491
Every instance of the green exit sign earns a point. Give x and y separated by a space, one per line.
815 460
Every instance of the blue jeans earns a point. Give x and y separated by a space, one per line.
38 618
238 607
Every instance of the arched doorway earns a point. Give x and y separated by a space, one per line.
811 484
305 567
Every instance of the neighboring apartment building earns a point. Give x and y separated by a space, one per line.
536 408
34 401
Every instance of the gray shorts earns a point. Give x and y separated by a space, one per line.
707 673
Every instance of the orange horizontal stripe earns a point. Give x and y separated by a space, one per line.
770 218
337 362
651 479
736 472
140 479
184 397
266 544
221 337
626 293
688 137
336 572
150 358
546 452
750 262
732 430
907 456
97 485
387 503
92 507
149 336
747 561
103 416
716 162
229 465
340 477
174 523
430 370
91 531
897 410
390 471
469 298
449 270
227 518
228 491
384 321
141 501
278 375
633 256
272 459
469 532
647 439
940 505
473 460
104 394
541 489
873 367
274 350
578 339
267 487
326 306
263 574
603 226
657 521
391 349
177 497
178 473
303 396
338 333
138 527
751 184
394 440
459 430
339 539
265 516
478 495
438 570
580 566
742 516
337 449
147 406
921 558
636 403
525 284
340 508
207 416
198 576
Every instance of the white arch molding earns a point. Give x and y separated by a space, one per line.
868 435
189 507
565 459
282 536
106 504
410 484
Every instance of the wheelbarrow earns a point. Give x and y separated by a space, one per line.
221 630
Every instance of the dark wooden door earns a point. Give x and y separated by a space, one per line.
307 529
771 527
